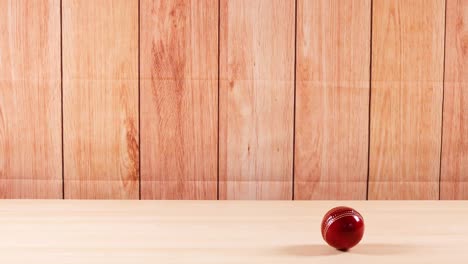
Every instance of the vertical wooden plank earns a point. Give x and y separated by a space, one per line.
100 98
332 99
30 93
179 99
406 99
256 99
454 172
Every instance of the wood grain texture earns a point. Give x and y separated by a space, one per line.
406 99
256 99
30 92
454 172
179 99
100 100
332 99
213 232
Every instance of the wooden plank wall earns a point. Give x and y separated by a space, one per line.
234 99
256 99
179 99
454 173
406 105
332 104
30 92
100 99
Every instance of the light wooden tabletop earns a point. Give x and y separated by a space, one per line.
226 232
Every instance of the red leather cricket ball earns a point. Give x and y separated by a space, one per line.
342 227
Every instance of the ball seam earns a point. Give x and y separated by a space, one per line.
338 217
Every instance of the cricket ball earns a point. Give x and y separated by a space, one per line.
342 227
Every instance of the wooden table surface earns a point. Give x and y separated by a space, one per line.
38 231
